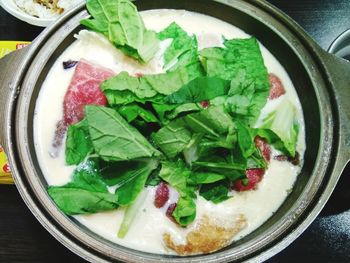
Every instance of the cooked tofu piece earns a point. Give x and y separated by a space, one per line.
207 237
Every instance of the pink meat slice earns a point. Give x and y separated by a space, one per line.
84 89
276 87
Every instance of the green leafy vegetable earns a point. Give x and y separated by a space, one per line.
221 165
132 111
172 138
177 174
115 173
182 110
242 63
78 143
181 46
245 140
113 138
120 22
212 121
87 177
170 82
133 182
85 194
216 192
123 89
191 150
205 178
185 211
130 214
154 178
283 122
199 89
74 201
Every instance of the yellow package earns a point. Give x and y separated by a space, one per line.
9 46
5 171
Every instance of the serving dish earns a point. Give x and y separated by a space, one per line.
11 7
305 62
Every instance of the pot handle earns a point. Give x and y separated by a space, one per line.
9 65
338 71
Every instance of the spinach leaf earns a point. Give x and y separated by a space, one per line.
182 110
154 178
114 173
245 139
199 89
256 160
87 177
162 110
228 162
212 121
123 89
172 138
113 138
181 43
215 192
221 165
78 143
73 201
120 22
271 137
185 211
177 174
188 59
240 61
133 182
205 178
167 112
172 81
132 111
191 150
86 193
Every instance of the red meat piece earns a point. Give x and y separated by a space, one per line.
254 176
162 195
264 148
294 160
276 87
205 104
170 211
84 89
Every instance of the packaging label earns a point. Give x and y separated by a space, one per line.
9 46
5 170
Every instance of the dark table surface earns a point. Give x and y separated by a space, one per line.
23 239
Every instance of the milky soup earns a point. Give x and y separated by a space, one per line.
217 222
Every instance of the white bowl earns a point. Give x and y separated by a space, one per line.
13 9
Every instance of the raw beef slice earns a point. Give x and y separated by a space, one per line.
84 89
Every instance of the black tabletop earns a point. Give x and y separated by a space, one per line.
23 239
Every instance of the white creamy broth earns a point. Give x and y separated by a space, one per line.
146 231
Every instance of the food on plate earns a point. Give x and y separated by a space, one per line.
45 8
167 131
